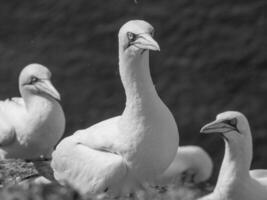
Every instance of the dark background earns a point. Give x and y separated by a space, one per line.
212 59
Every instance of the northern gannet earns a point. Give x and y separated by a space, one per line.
30 126
192 164
118 154
234 181
259 174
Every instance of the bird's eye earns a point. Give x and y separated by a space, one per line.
152 33
232 122
131 36
33 80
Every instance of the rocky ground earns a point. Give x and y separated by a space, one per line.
16 184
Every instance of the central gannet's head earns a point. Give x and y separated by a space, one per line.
35 79
136 36
230 124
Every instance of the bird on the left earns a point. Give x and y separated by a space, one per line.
31 125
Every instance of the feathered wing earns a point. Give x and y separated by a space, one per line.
191 164
259 175
88 161
18 100
7 130
12 103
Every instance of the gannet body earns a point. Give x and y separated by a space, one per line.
259 174
118 154
192 164
234 181
30 126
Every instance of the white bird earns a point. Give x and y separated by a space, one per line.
234 181
31 126
259 174
118 154
192 164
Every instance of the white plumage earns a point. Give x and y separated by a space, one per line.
234 181
259 174
30 126
118 154
192 164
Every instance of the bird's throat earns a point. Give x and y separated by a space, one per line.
135 76
235 165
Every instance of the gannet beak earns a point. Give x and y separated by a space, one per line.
47 87
145 41
217 126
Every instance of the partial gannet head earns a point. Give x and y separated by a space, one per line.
230 124
136 36
35 79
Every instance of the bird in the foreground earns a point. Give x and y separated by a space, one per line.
192 165
31 125
234 181
118 154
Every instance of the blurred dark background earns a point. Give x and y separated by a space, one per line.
213 58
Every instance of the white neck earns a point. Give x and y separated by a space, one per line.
136 78
236 163
148 132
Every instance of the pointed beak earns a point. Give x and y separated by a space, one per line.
145 41
47 87
216 126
